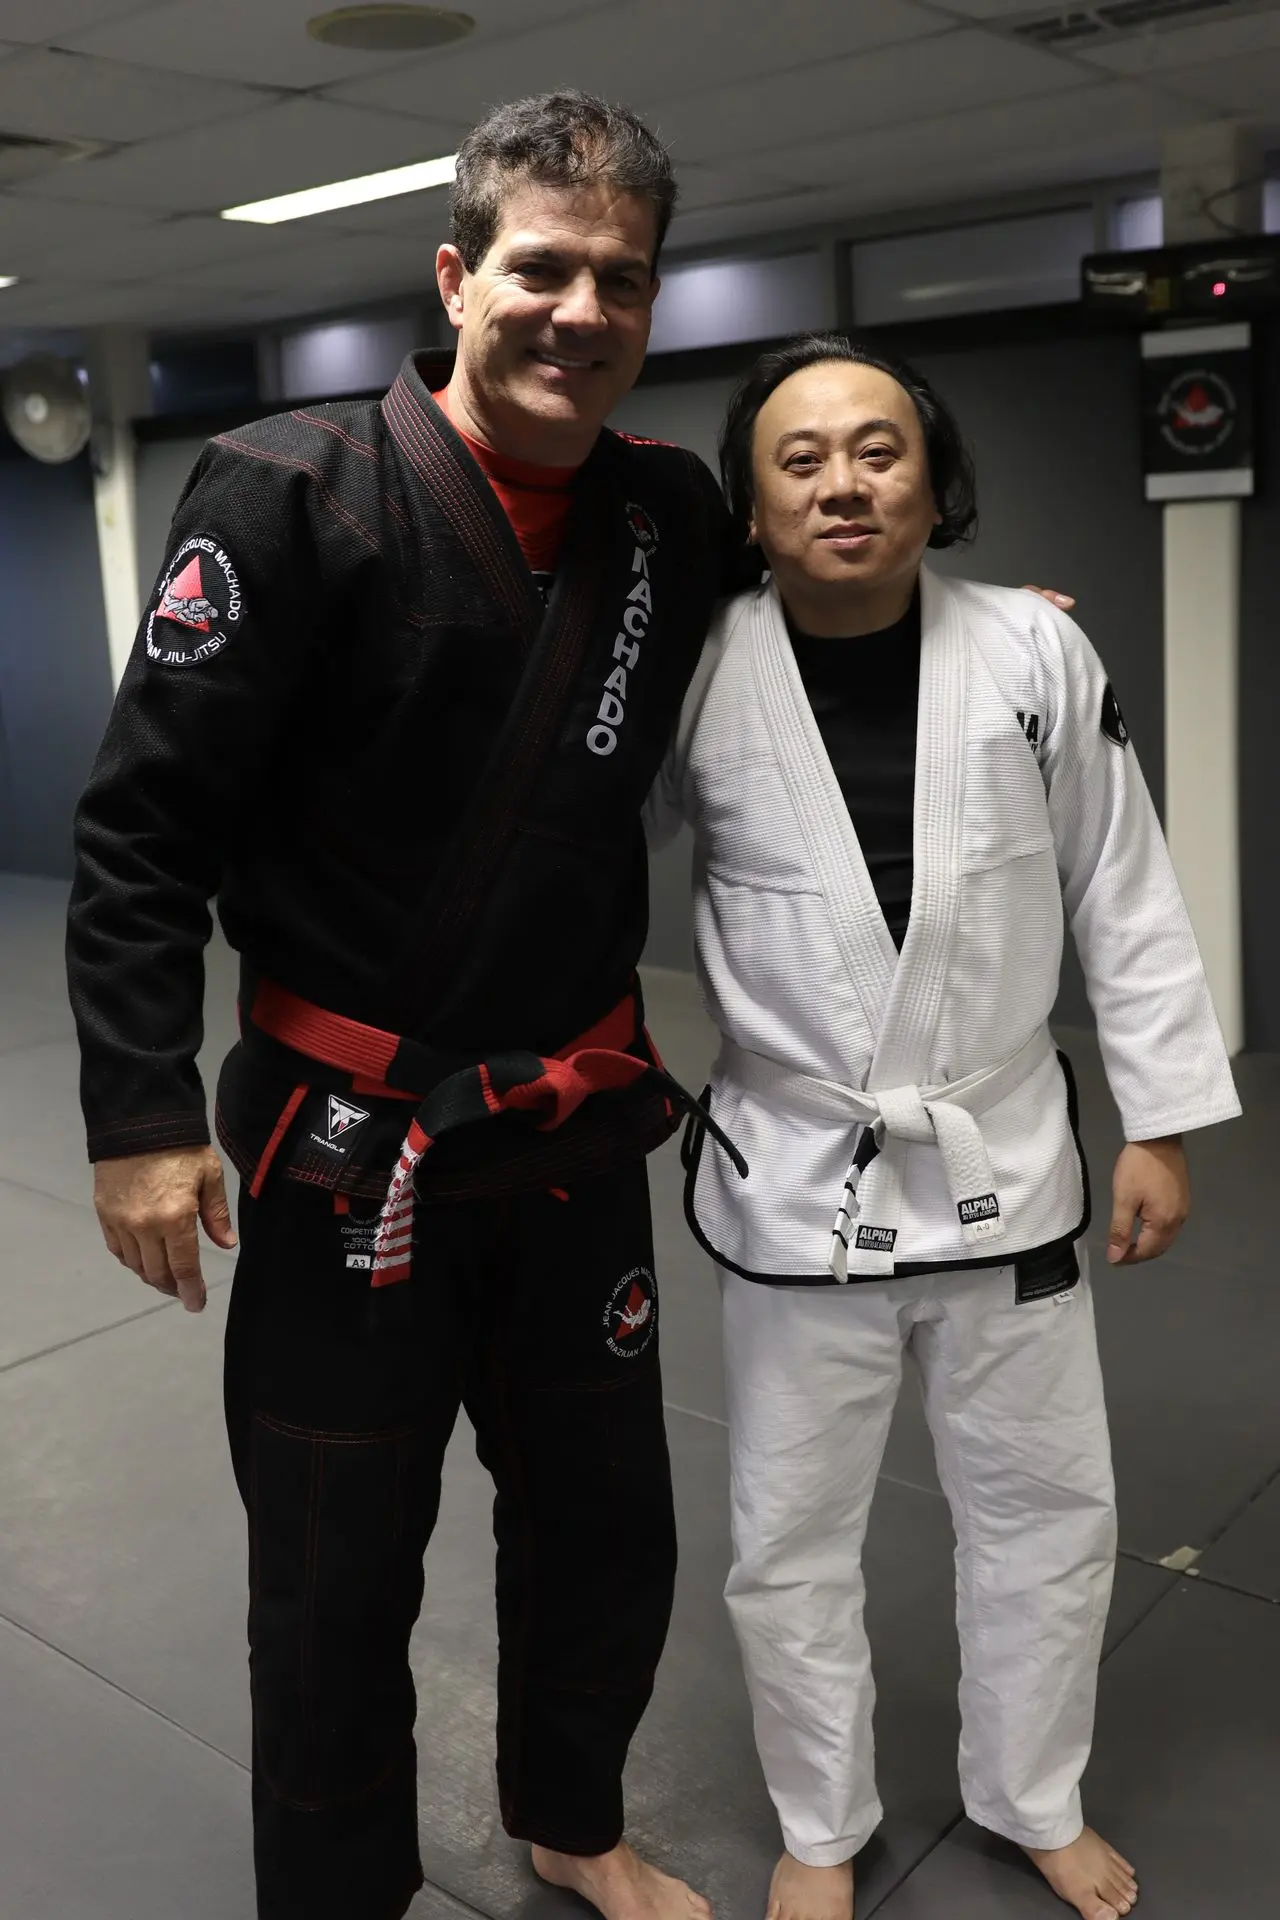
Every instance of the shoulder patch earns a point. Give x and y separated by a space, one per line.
639 440
197 605
1113 725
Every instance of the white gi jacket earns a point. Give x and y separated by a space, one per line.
1027 797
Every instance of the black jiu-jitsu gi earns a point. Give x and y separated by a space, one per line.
416 793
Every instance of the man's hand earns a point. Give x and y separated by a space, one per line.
1064 600
1150 1184
148 1206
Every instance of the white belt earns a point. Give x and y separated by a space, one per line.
870 1210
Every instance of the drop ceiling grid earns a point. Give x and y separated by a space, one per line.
643 48
1247 85
41 22
267 39
892 87
290 144
1189 47
56 96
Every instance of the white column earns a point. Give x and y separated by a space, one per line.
1201 646
119 386
1211 185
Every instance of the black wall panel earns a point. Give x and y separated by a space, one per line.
55 674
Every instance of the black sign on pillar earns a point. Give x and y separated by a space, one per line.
1197 413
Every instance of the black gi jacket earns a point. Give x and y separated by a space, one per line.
415 792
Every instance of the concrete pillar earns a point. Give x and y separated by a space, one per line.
120 389
1211 186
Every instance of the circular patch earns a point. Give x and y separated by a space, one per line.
197 607
1198 412
641 524
631 1317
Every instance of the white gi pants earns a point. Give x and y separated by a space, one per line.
1013 1395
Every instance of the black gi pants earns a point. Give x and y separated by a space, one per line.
539 1316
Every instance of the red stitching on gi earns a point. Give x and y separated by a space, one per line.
473 527
293 460
356 446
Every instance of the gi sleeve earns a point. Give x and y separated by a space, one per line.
202 701
1162 1048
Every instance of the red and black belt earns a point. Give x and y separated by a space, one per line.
548 1088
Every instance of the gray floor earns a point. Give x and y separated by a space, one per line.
122 1668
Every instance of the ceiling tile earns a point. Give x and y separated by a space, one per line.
276 149
1248 84
40 227
1084 134
37 22
1157 53
267 41
892 87
642 49
168 247
67 96
357 269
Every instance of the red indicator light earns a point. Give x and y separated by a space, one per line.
1219 288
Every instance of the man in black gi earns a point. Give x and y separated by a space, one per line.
410 766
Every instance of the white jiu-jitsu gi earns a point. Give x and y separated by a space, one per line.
906 1116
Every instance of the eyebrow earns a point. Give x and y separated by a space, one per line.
556 257
814 433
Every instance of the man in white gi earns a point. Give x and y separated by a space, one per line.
896 782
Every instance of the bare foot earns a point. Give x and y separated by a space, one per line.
810 1893
620 1885
1089 1875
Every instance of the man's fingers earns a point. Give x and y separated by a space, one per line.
1120 1236
1157 1236
215 1214
129 1253
1064 600
183 1259
155 1263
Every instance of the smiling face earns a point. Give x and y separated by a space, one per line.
554 321
842 501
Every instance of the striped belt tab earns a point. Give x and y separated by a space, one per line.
550 1088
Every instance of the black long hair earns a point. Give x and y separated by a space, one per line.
951 472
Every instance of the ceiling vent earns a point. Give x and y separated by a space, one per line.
1071 27
21 157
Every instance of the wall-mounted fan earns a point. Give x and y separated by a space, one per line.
46 408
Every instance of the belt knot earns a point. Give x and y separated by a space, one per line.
904 1116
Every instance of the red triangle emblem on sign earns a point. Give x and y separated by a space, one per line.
183 600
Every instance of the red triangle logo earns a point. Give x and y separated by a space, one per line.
184 602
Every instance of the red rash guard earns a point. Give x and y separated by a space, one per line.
536 500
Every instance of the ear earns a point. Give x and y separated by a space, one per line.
451 278
753 537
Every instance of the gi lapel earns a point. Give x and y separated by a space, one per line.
914 1002
460 491
865 943
523 739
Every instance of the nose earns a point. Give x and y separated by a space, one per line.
578 307
842 480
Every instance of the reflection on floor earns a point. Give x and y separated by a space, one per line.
122 1673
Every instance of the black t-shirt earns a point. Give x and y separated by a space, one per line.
864 693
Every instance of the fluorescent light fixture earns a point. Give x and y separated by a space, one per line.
346 193
8 279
